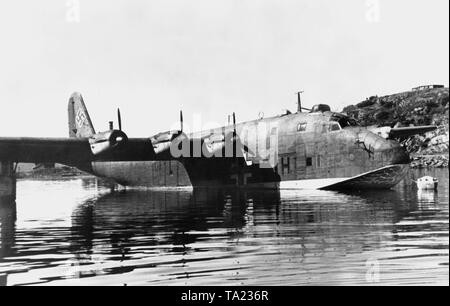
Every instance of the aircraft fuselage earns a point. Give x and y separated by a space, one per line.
291 151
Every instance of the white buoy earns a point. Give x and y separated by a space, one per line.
427 183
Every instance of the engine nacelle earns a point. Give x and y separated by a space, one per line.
107 141
161 142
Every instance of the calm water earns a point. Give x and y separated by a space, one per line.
76 232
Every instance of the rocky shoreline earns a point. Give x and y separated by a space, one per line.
430 150
429 161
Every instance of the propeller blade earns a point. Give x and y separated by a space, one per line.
119 119
234 122
181 120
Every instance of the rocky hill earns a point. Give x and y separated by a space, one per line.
416 107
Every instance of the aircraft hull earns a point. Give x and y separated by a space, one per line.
176 174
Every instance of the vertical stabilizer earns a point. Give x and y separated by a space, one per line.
80 124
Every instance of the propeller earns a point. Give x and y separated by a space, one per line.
119 119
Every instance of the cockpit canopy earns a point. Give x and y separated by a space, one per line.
343 120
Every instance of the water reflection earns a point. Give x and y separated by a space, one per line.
8 216
208 237
182 219
427 197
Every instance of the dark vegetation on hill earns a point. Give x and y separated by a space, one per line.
413 107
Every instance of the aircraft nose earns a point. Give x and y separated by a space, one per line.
393 153
389 151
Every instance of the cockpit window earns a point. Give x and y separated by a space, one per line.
334 126
301 127
344 121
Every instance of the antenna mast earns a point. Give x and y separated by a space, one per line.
299 105
119 119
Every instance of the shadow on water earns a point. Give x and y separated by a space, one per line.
222 236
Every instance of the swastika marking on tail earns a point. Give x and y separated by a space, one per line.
80 118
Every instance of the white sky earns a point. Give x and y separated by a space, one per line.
153 58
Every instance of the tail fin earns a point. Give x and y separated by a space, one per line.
80 124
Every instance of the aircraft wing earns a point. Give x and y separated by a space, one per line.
76 151
70 151
405 132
